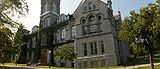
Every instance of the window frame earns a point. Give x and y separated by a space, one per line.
73 31
85 53
63 34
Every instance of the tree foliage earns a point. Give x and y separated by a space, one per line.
142 30
8 10
5 43
19 36
65 52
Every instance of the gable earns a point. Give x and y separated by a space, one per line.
89 6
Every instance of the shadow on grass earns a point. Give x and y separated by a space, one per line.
139 61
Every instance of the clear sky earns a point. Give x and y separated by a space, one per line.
69 6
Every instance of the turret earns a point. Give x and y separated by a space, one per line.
109 4
50 11
50 5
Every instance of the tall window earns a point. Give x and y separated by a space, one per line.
73 31
84 27
63 34
92 24
95 48
92 49
85 49
100 23
102 47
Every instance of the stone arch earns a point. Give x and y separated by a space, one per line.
100 15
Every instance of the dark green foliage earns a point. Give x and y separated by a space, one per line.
5 44
19 44
18 39
8 10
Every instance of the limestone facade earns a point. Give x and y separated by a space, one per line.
92 30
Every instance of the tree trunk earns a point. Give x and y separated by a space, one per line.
151 58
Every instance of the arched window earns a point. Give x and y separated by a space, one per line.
73 31
63 34
84 27
92 24
100 23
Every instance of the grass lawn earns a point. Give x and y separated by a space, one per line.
13 64
148 67
135 61
79 68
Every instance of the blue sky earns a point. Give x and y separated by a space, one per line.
126 6
69 6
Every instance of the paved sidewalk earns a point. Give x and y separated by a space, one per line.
136 66
20 67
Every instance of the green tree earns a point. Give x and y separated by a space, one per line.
8 10
18 39
65 52
142 30
5 44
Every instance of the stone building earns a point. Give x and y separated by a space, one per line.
32 54
92 29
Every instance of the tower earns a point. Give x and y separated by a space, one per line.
109 4
50 11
